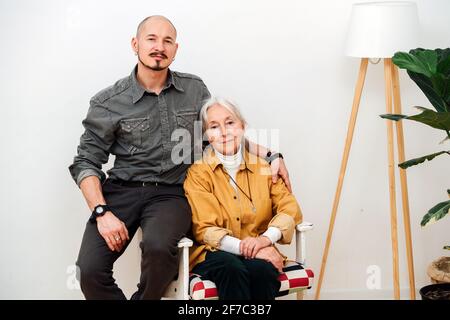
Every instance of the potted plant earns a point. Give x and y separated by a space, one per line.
430 70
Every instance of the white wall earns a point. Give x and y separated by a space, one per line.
282 62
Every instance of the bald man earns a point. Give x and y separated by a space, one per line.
139 120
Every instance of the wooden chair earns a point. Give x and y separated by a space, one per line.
296 278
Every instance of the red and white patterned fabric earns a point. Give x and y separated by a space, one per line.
293 279
200 289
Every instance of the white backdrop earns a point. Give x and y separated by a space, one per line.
281 61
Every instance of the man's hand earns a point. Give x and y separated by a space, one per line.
270 254
250 246
113 231
277 166
110 227
279 169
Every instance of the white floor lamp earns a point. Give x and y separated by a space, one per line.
378 30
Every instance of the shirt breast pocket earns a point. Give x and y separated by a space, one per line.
135 131
186 119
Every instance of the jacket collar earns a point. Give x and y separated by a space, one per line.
249 161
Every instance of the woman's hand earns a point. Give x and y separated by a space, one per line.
270 254
250 246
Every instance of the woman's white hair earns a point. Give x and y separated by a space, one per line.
227 104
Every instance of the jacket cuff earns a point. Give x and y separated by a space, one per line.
213 236
286 224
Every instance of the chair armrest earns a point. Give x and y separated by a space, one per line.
304 226
185 243
300 241
181 288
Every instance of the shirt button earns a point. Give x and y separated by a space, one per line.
237 219
235 197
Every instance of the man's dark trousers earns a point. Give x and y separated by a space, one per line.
164 215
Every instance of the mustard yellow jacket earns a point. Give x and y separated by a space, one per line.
218 209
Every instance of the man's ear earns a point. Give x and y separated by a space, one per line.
134 44
176 50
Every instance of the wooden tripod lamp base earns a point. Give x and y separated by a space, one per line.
392 91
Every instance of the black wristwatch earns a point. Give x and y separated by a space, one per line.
99 211
272 156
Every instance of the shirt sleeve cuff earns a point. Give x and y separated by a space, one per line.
230 244
273 233
86 173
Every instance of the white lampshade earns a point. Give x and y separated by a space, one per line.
379 29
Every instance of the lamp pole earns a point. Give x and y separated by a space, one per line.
379 29
392 93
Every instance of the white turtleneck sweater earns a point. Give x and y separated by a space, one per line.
231 164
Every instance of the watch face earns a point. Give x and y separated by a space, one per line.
99 210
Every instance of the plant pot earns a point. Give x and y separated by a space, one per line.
439 270
439 291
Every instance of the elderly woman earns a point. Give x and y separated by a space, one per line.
238 213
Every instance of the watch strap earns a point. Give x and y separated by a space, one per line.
94 214
272 156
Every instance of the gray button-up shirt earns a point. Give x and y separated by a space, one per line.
150 135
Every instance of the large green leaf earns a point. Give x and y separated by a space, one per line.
416 161
443 61
395 117
440 81
438 120
436 213
425 84
423 62
430 70
443 68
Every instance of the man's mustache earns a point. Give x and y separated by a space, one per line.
154 54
